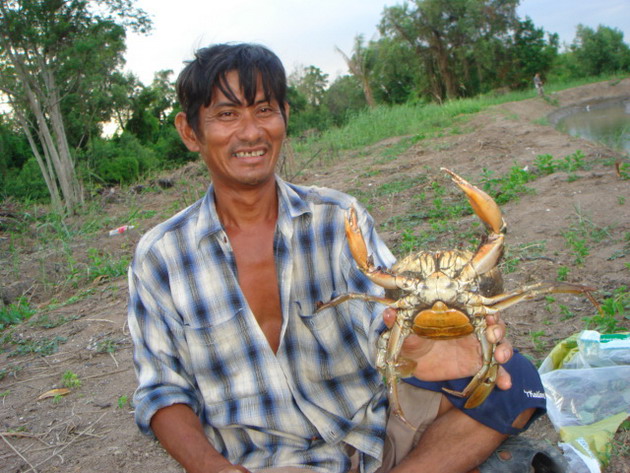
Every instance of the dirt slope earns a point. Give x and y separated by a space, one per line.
92 429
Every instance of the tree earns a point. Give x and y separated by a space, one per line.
456 41
53 53
360 66
600 51
307 88
311 82
528 53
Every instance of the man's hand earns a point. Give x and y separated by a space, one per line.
439 360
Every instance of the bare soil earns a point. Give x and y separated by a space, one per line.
91 429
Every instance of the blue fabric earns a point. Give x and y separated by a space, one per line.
500 408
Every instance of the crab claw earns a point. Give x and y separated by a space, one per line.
359 251
483 205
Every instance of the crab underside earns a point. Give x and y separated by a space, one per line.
444 295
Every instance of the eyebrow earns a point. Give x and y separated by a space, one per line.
229 103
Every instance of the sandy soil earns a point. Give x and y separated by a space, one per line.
92 429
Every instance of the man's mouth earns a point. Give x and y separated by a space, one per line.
249 154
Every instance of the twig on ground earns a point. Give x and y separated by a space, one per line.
56 453
18 453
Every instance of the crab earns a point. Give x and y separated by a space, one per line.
444 295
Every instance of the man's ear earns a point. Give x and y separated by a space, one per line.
186 133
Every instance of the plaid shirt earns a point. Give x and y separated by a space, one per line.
198 343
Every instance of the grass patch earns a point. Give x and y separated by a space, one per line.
15 313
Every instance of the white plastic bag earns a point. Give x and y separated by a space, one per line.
587 384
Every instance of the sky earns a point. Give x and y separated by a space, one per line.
306 32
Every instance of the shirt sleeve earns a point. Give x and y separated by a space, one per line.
161 358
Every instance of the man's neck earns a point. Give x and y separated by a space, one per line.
244 208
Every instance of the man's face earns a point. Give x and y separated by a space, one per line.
239 143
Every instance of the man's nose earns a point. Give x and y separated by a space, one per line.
250 129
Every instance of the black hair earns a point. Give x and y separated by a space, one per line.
207 72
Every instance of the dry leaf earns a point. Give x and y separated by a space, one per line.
54 393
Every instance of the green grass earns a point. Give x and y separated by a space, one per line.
15 313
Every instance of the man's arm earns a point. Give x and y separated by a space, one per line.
179 431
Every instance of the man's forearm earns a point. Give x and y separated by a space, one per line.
180 432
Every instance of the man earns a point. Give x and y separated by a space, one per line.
236 370
538 83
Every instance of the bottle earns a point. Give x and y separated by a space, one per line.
119 230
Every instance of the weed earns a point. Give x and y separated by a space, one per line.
70 380
5 394
45 321
562 273
107 346
549 303
395 187
526 251
545 164
623 169
104 265
614 312
15 313
122 401
11 371
539 345
509 187
580 233
565 312
621 200
42 347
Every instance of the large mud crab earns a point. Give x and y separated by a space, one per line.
444 295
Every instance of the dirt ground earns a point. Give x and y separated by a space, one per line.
92 430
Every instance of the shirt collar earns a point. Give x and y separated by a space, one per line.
291 206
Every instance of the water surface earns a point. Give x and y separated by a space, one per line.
606 122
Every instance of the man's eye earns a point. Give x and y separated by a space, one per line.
226 115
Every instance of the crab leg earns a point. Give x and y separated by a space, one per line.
390 345
503 301
482 384
484 206
358 248
489 212
353 295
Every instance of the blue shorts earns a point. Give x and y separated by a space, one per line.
500 408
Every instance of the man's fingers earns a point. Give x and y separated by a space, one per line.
504 380
503 352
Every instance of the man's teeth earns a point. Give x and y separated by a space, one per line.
250 154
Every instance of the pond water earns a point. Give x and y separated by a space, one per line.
606 122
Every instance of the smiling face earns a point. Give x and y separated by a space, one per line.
239 142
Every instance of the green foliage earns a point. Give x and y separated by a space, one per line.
600 51
26 183
104 265
614 315
530 53
122 401
43 346
547 164
506 188
70 380
15 313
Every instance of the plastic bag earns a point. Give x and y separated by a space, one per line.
587 383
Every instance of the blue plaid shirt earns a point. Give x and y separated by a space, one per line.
198 343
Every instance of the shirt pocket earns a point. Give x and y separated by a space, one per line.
227 361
